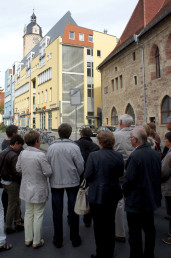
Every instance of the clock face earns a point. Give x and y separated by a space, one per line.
35 40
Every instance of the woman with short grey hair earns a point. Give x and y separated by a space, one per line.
35 169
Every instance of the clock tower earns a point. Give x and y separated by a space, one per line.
32 35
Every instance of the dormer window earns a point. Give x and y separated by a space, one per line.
72 35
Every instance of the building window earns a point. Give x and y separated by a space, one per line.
42 96
28 102
130 111
90 38
89 51
157 57
98 52
116 68
107 121
116 83
72 35
45 95
90 69
121 81
106 90
134 56
90 90
50 95
114 117
135 80
38 99
113 85
165 109
81 36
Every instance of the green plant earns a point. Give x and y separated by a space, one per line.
3 127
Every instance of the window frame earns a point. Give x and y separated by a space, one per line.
70 33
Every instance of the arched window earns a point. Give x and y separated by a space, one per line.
157 57
130 111
165 109
114 117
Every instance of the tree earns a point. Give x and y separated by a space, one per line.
2 108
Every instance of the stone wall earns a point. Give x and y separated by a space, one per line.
128 64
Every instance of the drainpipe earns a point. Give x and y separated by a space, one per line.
143 74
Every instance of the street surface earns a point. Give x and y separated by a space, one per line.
88 245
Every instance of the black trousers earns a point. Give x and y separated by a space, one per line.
57 207
136 223
168 209
104 229
4 199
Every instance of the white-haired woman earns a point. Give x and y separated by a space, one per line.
35 169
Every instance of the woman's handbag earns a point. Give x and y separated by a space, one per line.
81 205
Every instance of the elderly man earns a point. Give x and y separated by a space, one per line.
142 190
67 166
122 145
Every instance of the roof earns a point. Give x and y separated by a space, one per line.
146 15
56 31
32 24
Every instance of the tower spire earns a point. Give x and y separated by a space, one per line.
33 17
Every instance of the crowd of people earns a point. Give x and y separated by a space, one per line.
126 171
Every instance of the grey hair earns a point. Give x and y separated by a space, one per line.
169 120
140 133
126 120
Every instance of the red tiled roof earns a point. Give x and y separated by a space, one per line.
144 13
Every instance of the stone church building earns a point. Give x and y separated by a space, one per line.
136 75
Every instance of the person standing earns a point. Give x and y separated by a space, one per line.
168 125
122 145
11 130
4 246
86 147
103 169
166 180
35 169
142 190
67 166
10 180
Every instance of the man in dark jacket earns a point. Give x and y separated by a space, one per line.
86 147
10 180
142 190
11 130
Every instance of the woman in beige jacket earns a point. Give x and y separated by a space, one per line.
35 169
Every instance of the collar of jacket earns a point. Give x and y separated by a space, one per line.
30 148
60 140
85 138
142 146
126 129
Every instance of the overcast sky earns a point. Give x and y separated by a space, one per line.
98 15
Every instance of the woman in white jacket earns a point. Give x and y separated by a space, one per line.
35 169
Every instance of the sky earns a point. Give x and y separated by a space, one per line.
98 15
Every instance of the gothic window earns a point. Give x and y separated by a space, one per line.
165 109
130 111
157 57
114 117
